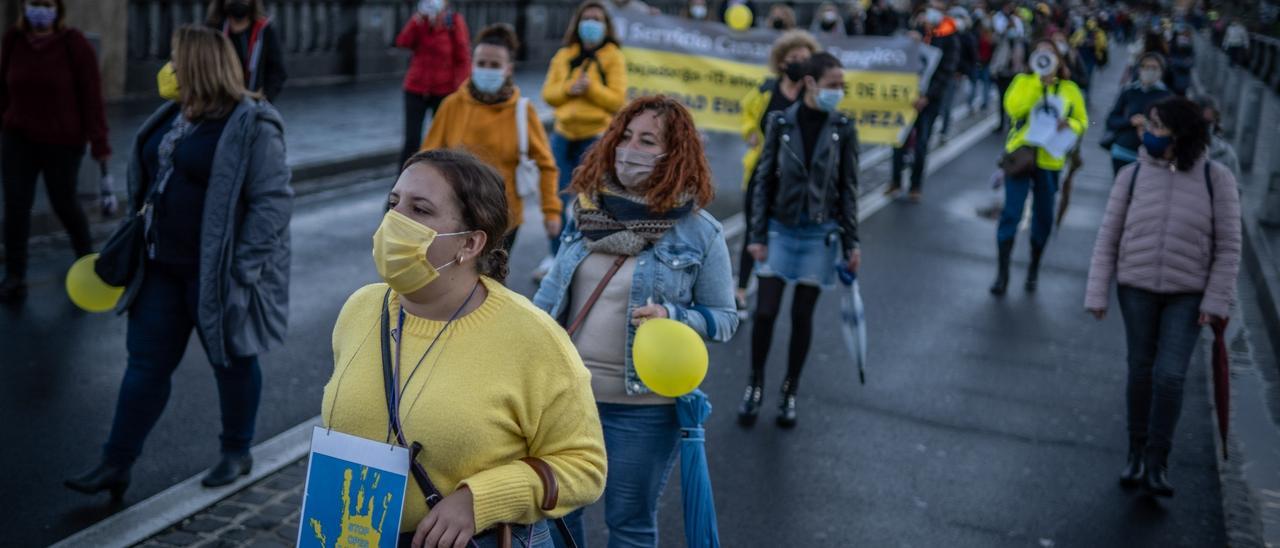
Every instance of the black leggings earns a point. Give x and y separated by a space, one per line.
24 162
415 113
768 301
746 263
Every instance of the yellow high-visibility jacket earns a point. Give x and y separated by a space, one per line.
1024 93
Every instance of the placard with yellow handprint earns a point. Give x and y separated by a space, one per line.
354 494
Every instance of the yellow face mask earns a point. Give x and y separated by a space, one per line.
167 81
400 252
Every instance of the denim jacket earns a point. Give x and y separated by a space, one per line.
687 271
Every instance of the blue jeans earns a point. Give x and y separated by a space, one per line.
1161 331
981 84
568 155
948 100
160 323
1043 185
640 441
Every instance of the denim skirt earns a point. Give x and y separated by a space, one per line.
802 254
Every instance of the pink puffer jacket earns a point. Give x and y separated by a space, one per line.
1170 238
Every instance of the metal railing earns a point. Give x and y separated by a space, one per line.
1250 115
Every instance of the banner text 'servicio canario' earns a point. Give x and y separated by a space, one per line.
710 68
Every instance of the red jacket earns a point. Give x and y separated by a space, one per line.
441 53
51 93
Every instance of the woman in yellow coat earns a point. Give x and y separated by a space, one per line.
1048 88
587 84
487 381
481 117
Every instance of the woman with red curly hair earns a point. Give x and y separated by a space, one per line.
641 246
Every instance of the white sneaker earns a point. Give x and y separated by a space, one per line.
543 268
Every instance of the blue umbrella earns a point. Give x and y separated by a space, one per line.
853 319
700 529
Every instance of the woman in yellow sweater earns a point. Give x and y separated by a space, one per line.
587 84
481 117
479 407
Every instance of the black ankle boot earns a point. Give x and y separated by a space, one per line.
751 399
1134 467
1002 268
230 468
105 477
1157 478
787 408
1033 271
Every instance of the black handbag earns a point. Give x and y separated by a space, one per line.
1020 163
122 255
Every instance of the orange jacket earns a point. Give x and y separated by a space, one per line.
489 132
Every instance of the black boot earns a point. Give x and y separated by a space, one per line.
12 289
1157 478
1002 273
228 470
751 399
105 477
787 409
1134 468
1033 271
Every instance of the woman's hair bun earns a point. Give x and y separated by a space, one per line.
499 34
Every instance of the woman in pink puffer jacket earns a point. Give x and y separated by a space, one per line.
1171 239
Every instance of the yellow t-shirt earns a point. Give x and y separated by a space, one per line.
503 383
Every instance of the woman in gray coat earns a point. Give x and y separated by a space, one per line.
1171 238
217 255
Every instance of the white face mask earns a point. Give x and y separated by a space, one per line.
1148 77
698 11
430 7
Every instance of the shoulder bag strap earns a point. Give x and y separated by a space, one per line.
1133 181
428 489
522 127
595 295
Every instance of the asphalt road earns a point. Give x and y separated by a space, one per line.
984 421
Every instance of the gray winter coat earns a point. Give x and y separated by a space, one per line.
244 250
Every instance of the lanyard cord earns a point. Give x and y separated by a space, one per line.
398 391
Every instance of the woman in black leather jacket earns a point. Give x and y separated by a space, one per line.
804 203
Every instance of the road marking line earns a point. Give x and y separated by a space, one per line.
157 513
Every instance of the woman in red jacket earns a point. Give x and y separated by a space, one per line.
441 47
51 100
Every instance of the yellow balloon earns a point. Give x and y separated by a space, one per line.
87 290
738 17
670 357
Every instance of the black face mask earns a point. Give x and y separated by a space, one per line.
238 10
794 71
828 25
779 25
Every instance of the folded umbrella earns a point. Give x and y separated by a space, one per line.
853 320
1221 380
700 528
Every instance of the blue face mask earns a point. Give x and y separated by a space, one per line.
40 17
1156 146
591 32
488 80
829 99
